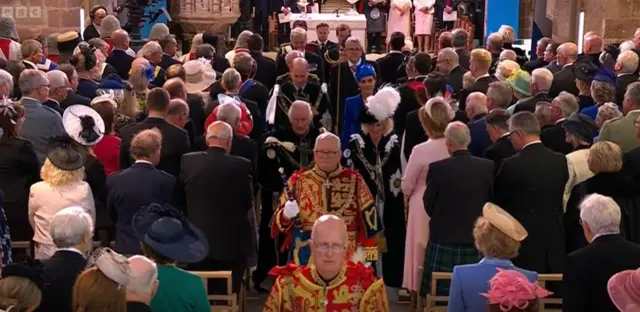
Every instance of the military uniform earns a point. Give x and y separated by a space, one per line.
343 193
621 131
298 289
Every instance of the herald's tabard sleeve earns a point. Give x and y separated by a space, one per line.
369 222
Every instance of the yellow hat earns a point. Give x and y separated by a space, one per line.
67 36
504 222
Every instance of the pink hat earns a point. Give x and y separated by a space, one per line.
624 290
512 290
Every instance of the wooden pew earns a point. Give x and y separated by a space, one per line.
231 299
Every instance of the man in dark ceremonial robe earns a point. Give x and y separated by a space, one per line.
343 83
284 78
299 42
290 149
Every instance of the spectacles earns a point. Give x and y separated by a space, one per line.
324 248
327 153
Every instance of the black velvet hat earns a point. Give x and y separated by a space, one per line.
30 269
584 69
582 126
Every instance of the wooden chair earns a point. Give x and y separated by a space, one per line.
543 279
23 245
432 298
229 297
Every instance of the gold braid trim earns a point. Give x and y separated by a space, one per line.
375 298
370 253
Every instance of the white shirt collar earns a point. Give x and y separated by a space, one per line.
603 234
560 120
394 51
356 64
531 143
485 75
504 135
31 63
143 162
72 249
624 74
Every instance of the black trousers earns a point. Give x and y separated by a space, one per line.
374 40
284 30
268 251
219 286
261 26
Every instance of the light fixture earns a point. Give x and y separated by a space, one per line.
580 30
81 20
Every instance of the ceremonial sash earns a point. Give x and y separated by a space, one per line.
415 85
246 86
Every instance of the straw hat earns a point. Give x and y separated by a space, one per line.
199 75
502 220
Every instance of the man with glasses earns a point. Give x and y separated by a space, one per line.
327 188
58 90
41 122
448 65
329 276
530 186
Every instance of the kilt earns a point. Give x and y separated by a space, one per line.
442 258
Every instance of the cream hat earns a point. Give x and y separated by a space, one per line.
199 75
504 222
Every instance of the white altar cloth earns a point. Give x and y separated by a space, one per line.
358 24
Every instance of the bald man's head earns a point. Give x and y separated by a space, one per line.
144 281
567 53
326 224
592 44
299 71
219 134
292 56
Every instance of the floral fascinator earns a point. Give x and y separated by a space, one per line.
112 264
512 290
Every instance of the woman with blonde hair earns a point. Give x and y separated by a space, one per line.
142 73
102 287
506 69
434 117
120 93
62 186
497 236
605 161
21 286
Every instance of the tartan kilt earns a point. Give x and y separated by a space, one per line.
442 258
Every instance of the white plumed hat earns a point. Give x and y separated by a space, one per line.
381 105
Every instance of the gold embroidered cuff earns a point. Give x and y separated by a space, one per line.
370 254
283 225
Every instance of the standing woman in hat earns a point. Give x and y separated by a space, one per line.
584 70
365 75
86 126
19 169
580 131
497 236
62 186
603 90
85 61
375 152
163 232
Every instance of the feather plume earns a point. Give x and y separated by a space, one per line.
383 104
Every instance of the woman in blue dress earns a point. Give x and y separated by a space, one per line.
365 74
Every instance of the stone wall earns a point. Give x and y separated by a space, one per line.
525 24
36 17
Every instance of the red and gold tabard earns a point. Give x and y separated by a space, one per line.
300 288
342 193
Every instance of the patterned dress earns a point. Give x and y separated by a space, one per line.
380 168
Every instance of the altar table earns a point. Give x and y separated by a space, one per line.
358 24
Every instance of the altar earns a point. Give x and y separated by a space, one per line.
358 24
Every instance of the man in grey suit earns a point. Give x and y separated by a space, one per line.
41 123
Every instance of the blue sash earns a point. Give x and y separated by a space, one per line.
246 85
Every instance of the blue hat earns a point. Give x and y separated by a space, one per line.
365 70
168 233
605 74
112 82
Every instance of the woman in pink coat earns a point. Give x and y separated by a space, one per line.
434 116
399 18
424 10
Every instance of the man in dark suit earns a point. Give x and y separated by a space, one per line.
563 106
216 175
475 110
495 42
447 6
71 230
219 62
541 81
298 42
118 58
472 177
175 141
284 7
266 67
261 20
417 68
138 186
459 38
498 97
58 90
448 64
533 196
589 269
343 84
169 46
626 67
565 79
480 63
251 89
72 97
539 61
389 63
498 130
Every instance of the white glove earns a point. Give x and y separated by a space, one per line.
323 88
358 256
291 209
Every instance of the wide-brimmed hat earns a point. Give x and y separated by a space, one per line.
199 75
65 153
582 126
504 222
520 81
624 290
30 269
170 234
83 124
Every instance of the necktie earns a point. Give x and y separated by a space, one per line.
321 46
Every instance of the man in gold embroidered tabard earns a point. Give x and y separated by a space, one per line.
331 283
327 188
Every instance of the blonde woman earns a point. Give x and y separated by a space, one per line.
506 69
140 78
21 286
120 93
62 186
102 287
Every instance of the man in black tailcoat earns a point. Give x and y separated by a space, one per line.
498 129
389 63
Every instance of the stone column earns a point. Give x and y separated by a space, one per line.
526 19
